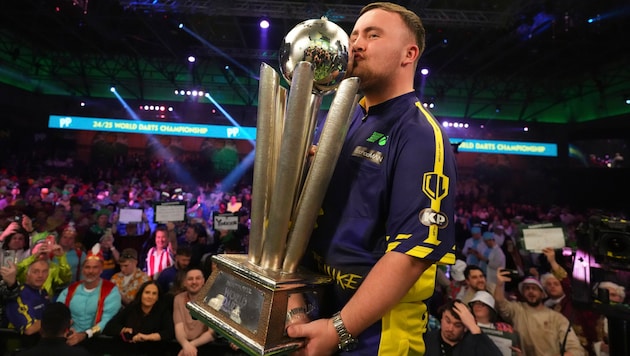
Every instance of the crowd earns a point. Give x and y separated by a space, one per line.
63 242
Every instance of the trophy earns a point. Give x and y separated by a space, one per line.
250 299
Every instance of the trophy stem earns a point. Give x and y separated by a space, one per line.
289 166
319 175
264 174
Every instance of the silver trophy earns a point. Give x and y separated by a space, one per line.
250 298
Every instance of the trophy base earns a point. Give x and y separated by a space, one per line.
248 305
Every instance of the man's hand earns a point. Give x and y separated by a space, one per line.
8 273
57 250
467 318
76 338
12 228
321 337
502 277
188 350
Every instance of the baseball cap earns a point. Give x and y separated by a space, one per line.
475 230
488 235
127 254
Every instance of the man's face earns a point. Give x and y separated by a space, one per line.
67 238
161 240
194 281
17 242
191 235
182 261
379 44
452 329
128 267
613 296
102 220
553 287
532 294
37 274
92 269
476 280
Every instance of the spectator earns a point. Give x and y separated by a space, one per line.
190 334
475 280
59 274
482 306
492 258
474 246
234 205
25 312
147 323
130 277
194 233
110 254
74 255
170 280
15 238
97 229
616 294
93 301
542 331
55 324
160 256
8 285
458 334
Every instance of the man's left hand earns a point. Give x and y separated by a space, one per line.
320 337
76 338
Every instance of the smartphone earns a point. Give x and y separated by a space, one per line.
8 255
513 274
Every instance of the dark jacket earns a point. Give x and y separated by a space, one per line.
470 345
54 346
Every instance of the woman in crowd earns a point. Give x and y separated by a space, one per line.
482 305
146 324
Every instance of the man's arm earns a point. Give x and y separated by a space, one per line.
111 306
386 284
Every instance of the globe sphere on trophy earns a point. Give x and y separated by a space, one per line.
251 298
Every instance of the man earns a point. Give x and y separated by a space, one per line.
492 258
25 312
459 334
542 331
190 334
557 285
159 257
130 277
92 301
73 254
475 282
59 273
385 214
616 294
55 324
474 246
8 285
194 233
170 279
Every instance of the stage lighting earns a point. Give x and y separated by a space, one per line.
424 71
181 25
627 99
192 59
264 24
112 89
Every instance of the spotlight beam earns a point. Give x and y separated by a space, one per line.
229 117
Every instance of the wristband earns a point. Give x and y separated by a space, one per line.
89 333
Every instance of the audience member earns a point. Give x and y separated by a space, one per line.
146 324
475 281
59 274
160 256
8 285
190 333
97 229
542 331
616 294
474 246
110 254
194 233
170 280
130 277
55 325
93 301
458 334
483 307
74 255
492 258
25 312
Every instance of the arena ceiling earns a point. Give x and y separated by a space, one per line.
522 60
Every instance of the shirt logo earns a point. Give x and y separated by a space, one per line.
430 217
378 137
435 185
372 155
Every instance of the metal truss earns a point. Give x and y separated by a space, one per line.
309 9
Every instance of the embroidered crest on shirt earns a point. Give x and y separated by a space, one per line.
378 137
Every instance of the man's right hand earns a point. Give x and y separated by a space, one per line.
9 273
76 338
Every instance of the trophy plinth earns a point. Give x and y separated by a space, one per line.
248 304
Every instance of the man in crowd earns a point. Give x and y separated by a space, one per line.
194 233
8 284
73 254
93 301
475 281
59 273
55 324
170 279
459 334
542 331
474 246
159 257
130 277
492 259
190 334
385 212
25 312
557 284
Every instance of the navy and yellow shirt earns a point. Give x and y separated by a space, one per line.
27 308
393 189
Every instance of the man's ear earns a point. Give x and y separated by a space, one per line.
411 54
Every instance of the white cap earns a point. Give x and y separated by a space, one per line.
484 297
457 270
